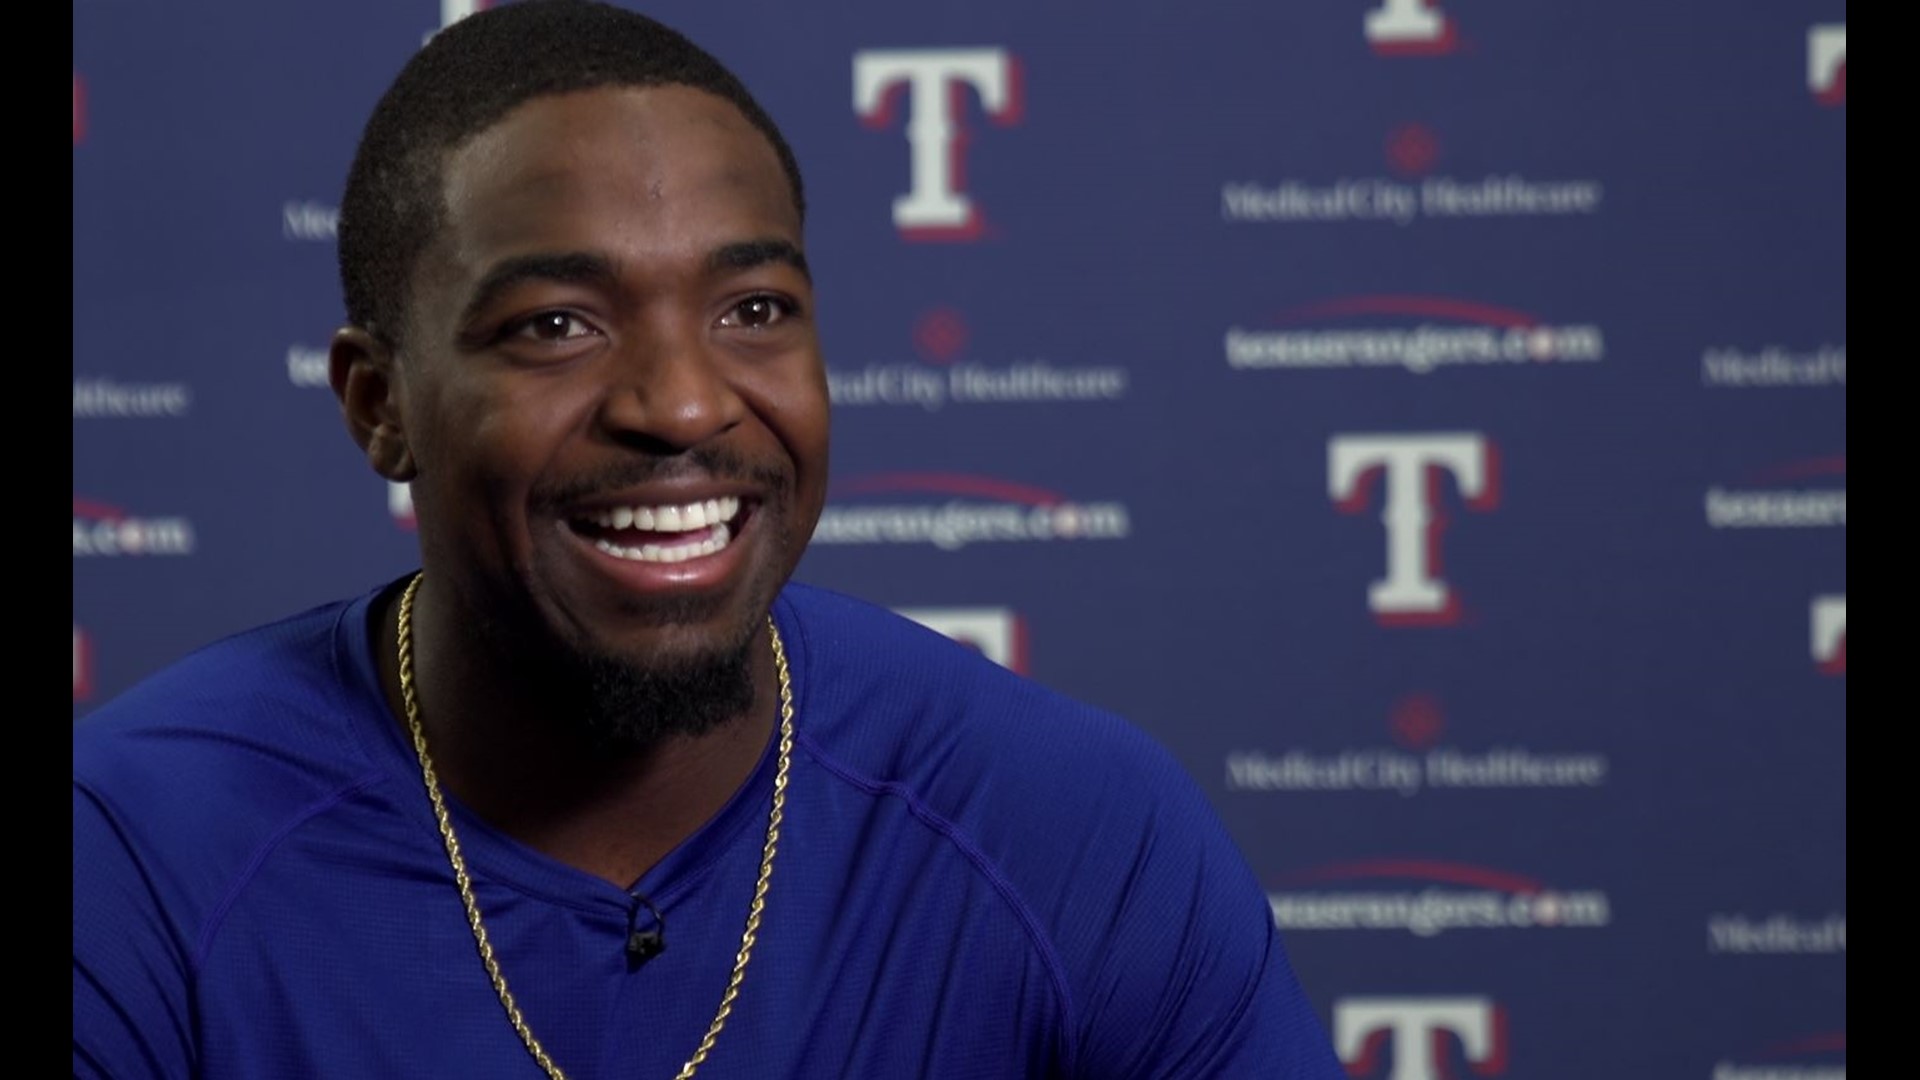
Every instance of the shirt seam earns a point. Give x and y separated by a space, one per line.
982 865
216 918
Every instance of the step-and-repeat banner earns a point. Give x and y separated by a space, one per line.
1426 417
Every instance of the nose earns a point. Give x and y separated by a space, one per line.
668 391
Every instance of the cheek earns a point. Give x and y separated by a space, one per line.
493 439
799 415
791 398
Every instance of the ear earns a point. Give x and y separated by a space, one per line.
362 370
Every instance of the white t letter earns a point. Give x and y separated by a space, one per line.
1409 26
1827 63
935 208
996 632
1411 593
1414 1026
1830 633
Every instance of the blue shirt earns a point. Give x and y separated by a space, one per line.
976 877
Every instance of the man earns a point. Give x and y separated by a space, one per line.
598 792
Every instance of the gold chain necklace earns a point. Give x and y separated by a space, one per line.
466 884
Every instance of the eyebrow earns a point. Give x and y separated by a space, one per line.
748 254
574 268
582 268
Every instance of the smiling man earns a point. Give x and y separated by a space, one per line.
599 791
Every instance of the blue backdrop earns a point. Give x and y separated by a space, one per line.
1427 417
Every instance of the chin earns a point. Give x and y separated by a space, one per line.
629 706
686 679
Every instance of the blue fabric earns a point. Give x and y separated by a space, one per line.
976 878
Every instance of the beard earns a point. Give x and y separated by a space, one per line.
617 705
621 704
624 706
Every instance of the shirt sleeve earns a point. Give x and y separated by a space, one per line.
1190 978
130 964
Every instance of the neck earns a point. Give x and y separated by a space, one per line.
497 748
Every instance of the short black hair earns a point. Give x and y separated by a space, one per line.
466 78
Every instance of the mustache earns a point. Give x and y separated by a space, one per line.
701 463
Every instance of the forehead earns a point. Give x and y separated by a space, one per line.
621 170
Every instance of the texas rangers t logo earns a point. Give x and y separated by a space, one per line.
1409 28
452 11
936 207
1830 634
1827 63
1412 593
998 633
400 505
1418 1028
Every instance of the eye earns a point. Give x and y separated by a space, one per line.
757 311
551 326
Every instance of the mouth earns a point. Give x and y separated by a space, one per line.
664 533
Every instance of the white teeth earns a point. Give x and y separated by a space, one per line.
657 553
686 518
